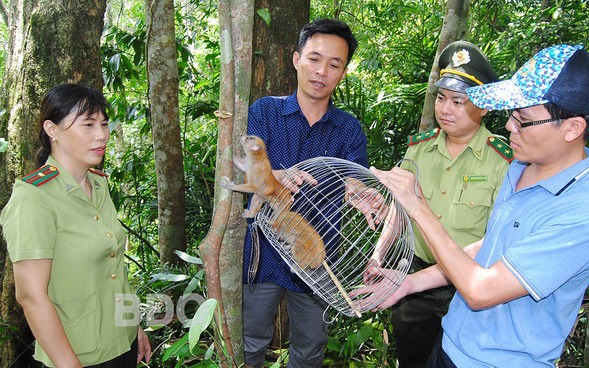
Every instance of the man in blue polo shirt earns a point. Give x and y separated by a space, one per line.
295 128
518 299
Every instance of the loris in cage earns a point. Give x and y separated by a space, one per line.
305 243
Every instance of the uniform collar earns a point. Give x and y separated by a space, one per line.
476 144
67 181
292 106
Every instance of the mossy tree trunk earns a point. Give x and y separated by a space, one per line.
162 75
50 42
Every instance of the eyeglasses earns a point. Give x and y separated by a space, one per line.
519 126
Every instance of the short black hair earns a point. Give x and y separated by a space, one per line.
329 26
557 112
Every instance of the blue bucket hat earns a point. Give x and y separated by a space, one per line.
557 74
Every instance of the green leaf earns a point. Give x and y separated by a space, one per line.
188 258
265 14
201 320
115 62
192 285
175 348
210 351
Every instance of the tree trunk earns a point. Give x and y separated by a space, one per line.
274 74
231 255
454 28
274 45
210 248
162 75
49 43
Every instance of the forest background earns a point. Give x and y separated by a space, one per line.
169 140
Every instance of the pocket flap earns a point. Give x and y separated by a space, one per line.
73 312
474 196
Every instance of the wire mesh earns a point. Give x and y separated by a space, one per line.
329 243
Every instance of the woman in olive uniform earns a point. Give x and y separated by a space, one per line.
66 244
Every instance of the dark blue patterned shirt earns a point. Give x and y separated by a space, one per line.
289 140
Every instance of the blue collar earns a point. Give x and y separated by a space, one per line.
558 183
291 106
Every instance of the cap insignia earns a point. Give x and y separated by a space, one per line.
460 58
422 137
501 148
41 176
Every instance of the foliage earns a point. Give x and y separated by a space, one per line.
131 161
6 332
171 296
360 342
574 347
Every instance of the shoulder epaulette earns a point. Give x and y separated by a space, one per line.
422 137
501 147
97 172
41 176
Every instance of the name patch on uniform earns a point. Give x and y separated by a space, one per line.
467 178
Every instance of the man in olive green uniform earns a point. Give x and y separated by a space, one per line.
461 167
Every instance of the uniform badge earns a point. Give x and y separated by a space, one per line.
41 176
501 148
422 137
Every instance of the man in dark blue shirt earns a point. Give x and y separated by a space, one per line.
295 128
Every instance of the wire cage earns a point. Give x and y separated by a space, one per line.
328 242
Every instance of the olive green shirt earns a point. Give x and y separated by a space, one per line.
460 191
56 220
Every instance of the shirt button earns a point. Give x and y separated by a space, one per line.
443 192
109 235
96 217
111 254
117 299
448 168
113 276
439 217
471 203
